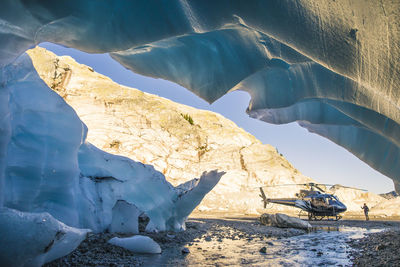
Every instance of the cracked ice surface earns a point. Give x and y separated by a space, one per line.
331 65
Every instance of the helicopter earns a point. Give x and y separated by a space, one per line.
317 203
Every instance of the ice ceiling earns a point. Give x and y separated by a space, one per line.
333 66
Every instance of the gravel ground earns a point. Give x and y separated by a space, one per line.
378 249
375 250
95 251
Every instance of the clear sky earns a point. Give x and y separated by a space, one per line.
311 154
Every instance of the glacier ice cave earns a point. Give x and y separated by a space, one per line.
332 66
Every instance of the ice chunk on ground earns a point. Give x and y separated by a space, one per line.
137 243
32 239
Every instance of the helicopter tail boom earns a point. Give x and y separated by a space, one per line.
283 201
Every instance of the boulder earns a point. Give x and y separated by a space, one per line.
284 221
268 219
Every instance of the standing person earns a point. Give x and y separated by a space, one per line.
366 209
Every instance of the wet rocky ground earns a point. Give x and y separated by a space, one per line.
378 249
95 251
244 241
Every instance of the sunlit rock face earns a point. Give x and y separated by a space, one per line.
331 65
153 130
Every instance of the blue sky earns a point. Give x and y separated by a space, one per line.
311 154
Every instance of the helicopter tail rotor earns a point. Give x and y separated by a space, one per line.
264 198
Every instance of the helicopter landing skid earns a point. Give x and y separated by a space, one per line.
313 217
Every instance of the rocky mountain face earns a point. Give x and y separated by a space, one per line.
178 140
390 195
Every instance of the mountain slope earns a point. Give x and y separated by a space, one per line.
153 130
180 141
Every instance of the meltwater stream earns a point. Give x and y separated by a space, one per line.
322 247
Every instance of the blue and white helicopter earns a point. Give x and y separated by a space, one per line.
316 203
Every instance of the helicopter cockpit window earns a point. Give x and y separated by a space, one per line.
320 201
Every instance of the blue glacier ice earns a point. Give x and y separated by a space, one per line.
32 239
332 66
52 174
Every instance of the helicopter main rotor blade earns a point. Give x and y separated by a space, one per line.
338 185
283 185
323 191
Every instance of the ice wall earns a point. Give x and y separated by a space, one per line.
41 170
55 184
332 65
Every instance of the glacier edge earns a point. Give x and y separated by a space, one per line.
53 174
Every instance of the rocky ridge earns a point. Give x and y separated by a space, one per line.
178 140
